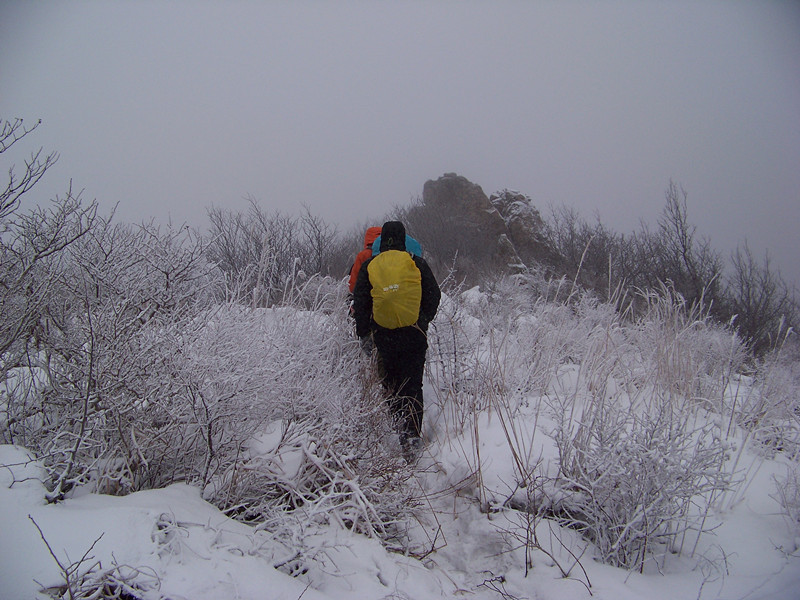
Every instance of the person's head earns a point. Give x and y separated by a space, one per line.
371 235
393 236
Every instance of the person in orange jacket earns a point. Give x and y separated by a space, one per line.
372 234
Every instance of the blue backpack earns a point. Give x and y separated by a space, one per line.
412 246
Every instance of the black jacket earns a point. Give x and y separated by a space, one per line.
362 298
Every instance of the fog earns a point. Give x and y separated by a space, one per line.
165 108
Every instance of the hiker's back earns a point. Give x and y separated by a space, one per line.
396 289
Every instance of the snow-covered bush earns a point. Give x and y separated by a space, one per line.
631 478
100 352
130 375
689 352
638 468
138 379
788 496
33 249
769 407
319 439
453 361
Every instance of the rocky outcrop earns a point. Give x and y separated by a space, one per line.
506 229
465 203
525 225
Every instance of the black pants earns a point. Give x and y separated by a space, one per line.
401 363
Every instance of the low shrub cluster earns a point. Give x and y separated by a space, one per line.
627 427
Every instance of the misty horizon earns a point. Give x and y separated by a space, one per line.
164 109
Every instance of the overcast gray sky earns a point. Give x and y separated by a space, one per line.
349 107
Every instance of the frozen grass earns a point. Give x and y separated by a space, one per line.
578 432
629 430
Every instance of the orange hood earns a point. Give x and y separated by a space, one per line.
372 234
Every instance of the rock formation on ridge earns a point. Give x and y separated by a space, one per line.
504 232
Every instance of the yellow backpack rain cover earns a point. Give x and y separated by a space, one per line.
396 289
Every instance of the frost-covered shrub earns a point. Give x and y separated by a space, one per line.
136 378
320 440
643 409
200 393
638 465
245 374
343 473
788 496
454 342
100 353
488 342
320 293
768 406
685 350
631 480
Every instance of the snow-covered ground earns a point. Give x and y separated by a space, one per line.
465 537
175 545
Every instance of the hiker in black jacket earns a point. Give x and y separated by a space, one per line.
401 350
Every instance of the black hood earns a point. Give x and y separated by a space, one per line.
393 236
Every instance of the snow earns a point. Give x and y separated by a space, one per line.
187 549
462 542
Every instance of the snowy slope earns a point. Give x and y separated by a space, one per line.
184 548
492 400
